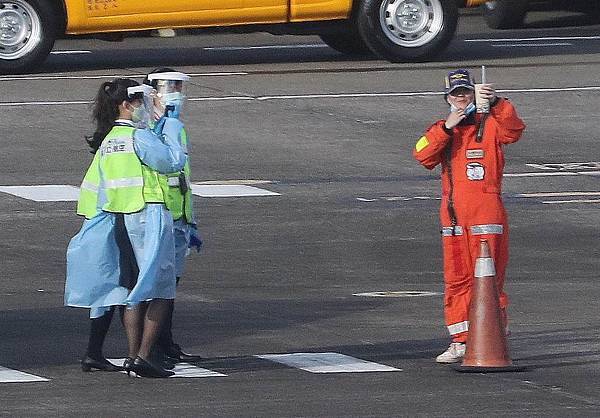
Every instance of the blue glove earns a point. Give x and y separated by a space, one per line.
195 241
173 109
158 127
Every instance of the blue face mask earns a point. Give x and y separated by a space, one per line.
468 110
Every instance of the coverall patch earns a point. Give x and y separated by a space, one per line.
475 171
474 153
422 143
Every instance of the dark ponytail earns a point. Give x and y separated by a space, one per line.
106 108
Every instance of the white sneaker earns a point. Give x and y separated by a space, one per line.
453 354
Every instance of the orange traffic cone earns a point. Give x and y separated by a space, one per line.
487 349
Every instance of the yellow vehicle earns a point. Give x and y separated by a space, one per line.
396 30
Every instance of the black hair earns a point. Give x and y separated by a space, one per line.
157 70
106 108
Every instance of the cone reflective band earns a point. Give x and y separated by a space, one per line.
484 265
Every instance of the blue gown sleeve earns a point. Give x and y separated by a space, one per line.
161 153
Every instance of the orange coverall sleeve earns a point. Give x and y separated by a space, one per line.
430 147
510 126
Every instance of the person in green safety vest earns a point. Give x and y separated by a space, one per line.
170 86
124 253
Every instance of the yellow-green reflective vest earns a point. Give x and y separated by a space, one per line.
88 192
127 184
178 203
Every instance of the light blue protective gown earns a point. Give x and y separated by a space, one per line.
93 256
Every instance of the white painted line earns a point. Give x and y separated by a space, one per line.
311 96
327 363
558 194
45 193
398 294
15 376
229 190
110 76
73 52
250 48
538 174
531 45
181 370
589 165
246 182
549 38
56 103
362 199
558 202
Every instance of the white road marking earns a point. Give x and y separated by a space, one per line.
398 294
538 174
110 76
44 193
588 165
250 48
229 190
67 193
15 376
181 370
71 52
548 38
559 202
327 363
531 45
558 194
311 96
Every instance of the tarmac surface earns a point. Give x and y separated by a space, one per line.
272 302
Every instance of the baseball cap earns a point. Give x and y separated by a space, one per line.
458 78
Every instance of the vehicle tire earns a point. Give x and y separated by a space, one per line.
504 14
27 33
348 42
407 30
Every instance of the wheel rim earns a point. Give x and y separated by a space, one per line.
411 23
490 5
20 29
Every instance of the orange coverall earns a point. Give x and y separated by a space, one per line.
471 207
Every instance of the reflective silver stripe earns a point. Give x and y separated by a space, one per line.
484 267
124 182
173 181
89 186
458 327
447 231
487 229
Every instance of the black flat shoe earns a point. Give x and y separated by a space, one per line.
175 352
88 364
146 368
160 358
127 363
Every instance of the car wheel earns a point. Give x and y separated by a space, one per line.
407 30
348 42
504 14
27 33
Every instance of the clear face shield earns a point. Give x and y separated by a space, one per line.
142 114
170 93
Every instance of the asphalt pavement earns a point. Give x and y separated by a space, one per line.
318 292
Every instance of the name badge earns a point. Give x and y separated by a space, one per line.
474 153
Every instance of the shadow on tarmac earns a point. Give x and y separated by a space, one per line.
170 52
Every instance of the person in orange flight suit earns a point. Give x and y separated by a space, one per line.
469 146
